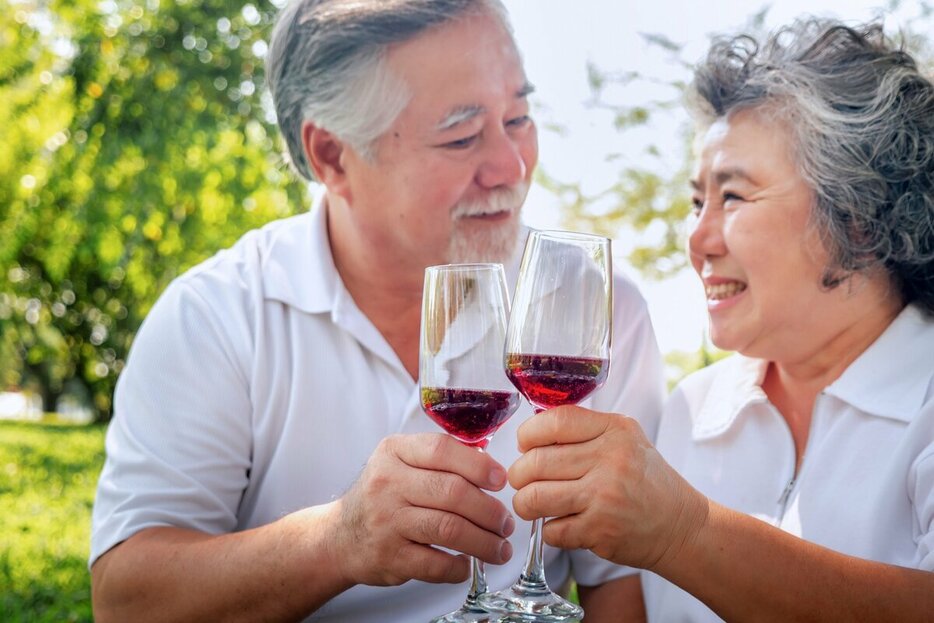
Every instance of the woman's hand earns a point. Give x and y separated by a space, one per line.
606 486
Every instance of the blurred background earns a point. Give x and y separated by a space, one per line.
138 140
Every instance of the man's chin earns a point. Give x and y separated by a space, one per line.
494 244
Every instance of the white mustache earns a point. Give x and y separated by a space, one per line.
500 200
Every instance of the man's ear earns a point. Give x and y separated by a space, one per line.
325 154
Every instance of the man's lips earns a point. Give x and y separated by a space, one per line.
489 216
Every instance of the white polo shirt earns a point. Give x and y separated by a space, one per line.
866 483
256 387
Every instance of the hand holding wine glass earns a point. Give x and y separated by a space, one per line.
557 353
461 380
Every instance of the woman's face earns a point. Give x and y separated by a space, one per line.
759 259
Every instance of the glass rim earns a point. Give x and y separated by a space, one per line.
570 235
465 267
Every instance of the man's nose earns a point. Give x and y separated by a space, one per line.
503 163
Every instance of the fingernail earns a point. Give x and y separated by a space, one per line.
506 551
509 524
497 476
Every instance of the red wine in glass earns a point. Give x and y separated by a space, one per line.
463 387
549 381
556 353
469 415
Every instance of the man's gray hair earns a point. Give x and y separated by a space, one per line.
861 114
326 65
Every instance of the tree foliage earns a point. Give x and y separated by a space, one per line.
650 196
137 143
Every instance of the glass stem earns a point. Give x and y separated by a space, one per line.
477 575
533 574
477 581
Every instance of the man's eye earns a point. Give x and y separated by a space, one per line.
731 197
462 143
697 204
519 122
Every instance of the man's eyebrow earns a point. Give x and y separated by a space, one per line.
459 115
527 89
465 113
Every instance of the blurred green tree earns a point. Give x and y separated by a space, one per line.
138 142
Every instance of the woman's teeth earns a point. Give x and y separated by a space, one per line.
722 291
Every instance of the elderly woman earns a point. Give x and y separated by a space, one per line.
798 475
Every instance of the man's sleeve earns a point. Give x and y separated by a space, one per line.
178 448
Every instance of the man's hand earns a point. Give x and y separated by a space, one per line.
606 486
419 491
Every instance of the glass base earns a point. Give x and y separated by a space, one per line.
531 604
467 614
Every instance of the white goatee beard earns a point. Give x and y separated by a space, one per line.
495 243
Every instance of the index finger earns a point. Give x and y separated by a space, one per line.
567 424
439 452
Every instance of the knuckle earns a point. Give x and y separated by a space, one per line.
388 444
559 534
448 528
447 486
521 507
437 448
444 568
535 498
537 460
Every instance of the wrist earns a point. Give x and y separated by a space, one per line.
691 524
326 554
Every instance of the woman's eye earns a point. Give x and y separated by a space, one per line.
697 204
731 197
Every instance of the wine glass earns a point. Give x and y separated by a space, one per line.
460 374
557 353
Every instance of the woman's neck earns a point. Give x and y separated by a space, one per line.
793 384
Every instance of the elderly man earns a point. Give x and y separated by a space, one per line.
268 459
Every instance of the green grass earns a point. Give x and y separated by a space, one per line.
48 473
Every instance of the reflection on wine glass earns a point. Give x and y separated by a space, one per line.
557 353
460 373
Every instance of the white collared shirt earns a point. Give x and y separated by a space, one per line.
256 387
866 483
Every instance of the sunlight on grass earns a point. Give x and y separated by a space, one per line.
48 473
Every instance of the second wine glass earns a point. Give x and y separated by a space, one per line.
557 353
461 380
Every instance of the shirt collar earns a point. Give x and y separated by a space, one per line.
737 383
889 379
304 249
298 264
892 377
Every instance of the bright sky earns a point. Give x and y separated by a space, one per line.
559 37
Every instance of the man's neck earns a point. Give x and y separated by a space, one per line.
389 293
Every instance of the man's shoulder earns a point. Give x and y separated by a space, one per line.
242 265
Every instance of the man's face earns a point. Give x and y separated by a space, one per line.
449 177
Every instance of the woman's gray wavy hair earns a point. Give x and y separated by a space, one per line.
862 117
326 64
